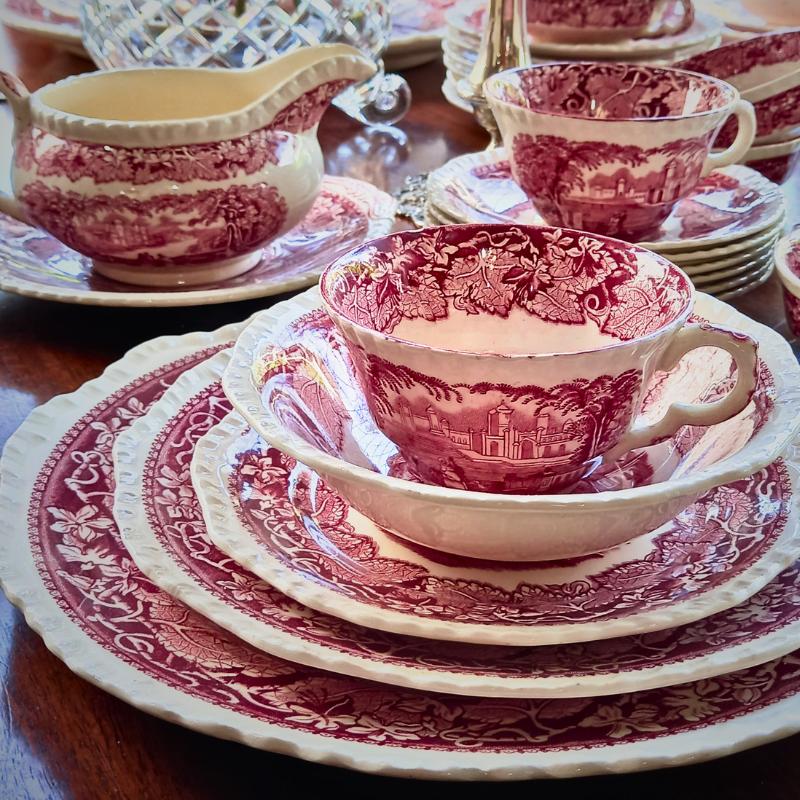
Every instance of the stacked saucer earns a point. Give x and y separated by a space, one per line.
465 23
210 566
722 235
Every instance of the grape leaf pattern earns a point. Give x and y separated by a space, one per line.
558 275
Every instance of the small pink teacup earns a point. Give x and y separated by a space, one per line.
610 20
611 148
509 358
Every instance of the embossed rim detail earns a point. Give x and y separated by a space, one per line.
131 452
257 114
22 459
764 448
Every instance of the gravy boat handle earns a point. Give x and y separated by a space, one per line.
744 352
20 101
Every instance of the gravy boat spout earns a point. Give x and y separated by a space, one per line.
168 176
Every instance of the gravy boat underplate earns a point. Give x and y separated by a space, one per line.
290 376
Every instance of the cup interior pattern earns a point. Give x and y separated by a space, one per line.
610 91
506 289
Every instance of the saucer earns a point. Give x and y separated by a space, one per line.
155 497
346 213
63 562
689 259
749 264
749 279
322 421
727 205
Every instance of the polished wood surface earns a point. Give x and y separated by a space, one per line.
60 737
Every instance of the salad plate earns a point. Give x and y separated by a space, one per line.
62 561
728 205
156 509
346 213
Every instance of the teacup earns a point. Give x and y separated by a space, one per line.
510 358
611 148
579 21
169 176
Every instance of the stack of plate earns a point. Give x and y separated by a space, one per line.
172 556
465 23
722 235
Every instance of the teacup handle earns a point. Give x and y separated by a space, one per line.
666 29
742 349
743 110
20 101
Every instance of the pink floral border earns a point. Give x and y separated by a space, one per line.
88 572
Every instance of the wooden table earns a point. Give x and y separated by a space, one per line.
60 737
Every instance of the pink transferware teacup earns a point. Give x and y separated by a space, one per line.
611 148
169 176
509 358
577 21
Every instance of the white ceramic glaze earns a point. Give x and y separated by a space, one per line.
175 176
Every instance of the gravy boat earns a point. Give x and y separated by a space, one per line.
168 176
